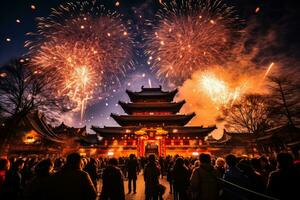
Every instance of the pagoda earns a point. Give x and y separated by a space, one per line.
152 124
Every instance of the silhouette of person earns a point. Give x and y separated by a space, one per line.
132 169
71 182
151 177
112 185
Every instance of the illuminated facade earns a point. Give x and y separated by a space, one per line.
152 125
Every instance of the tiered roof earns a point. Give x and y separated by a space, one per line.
173 107
151 109
64 129
151 94
152 100
36 121
159 120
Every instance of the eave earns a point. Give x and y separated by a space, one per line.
148 94
133 120
129 108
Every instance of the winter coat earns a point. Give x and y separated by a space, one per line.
151 177
204 184
71 184
112 185
132 168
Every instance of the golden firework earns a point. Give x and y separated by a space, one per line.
188 36
83 47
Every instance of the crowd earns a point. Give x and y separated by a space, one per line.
203 178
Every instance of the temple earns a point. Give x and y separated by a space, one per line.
152 124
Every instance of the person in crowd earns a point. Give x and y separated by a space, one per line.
204 184
181 180
36 188
170 176
254 179
27 170
91 169
71 182
112 184
162 166
196 164
284 182
220 167
151 178
189 166
132 170
233 175
58 164
12 187
264 168
4 167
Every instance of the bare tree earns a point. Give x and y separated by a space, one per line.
249 114
285 98
21 91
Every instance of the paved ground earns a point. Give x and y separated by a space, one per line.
140 190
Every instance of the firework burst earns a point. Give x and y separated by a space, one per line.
84 48
188 36
218 90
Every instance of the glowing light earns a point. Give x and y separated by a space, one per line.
3 74
218 90
127 131
81 55
269 69
8 40
110 153
30 137
117 3
33 7
18 21
150 83
189 36
257 9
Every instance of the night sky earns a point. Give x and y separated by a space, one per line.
278 18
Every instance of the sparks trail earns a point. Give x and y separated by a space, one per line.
269 69
84 47
218 90
188 36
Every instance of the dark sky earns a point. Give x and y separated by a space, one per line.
279 18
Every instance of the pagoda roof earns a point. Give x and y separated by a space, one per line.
63 128
88 139
187 131
129 108
36 121
151 94
232 138
285 133
136 120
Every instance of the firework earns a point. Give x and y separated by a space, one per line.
83 47
189 35
218 90
269 69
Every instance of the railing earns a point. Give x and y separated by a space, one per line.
243 193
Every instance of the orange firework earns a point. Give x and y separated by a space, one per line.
84 48
188 36
219 91
269 69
